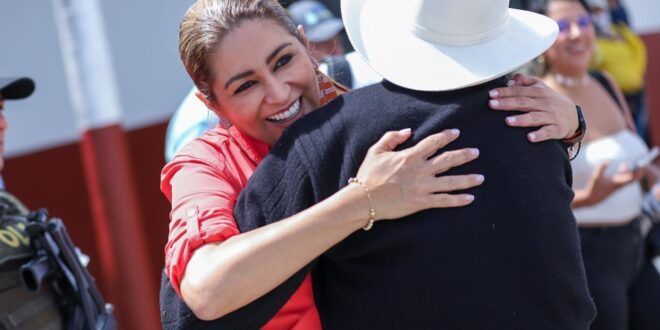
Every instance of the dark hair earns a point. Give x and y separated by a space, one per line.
207 22
541 66
541 7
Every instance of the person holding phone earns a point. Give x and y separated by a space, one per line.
607 173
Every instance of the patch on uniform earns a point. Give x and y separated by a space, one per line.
14 241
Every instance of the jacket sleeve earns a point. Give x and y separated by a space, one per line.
203 196
279 188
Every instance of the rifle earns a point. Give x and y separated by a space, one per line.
56 257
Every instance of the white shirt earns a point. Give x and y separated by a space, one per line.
623 204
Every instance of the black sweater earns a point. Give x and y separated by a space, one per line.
510 260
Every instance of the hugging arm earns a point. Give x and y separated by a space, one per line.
554 114
283 230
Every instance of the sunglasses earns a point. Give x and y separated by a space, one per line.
584 21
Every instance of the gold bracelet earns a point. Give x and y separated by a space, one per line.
372 213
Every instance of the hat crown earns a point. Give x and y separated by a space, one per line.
442 45
455 22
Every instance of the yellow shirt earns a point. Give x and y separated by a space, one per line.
623 58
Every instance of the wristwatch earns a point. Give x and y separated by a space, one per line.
573 142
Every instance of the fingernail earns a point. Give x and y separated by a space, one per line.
531 136
468 198
494 103
474 152
405 131
480 178
455 131
510 83
511 120
494 93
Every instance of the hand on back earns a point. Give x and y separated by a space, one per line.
404 182
553 113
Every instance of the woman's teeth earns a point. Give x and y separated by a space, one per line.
285 115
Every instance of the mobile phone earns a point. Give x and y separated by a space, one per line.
647 158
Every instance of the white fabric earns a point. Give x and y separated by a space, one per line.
625 203
438 45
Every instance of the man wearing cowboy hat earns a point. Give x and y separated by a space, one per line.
509 260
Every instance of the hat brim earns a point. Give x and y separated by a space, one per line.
16 88
411 62
324 31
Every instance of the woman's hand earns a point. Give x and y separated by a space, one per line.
407 181
600 185
555 114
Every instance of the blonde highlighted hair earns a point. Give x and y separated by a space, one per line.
207 22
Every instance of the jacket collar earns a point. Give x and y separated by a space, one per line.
255 149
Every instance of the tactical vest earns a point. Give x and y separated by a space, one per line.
19 307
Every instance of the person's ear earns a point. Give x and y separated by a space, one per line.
211 105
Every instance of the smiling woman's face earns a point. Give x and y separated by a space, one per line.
264 79
574 47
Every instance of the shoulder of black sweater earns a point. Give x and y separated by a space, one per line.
342 131
356 106
368 113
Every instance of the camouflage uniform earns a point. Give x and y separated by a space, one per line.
19 307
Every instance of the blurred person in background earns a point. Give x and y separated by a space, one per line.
618 13
606 180
44 283
19 307
323 32
321 27
622 54
190 120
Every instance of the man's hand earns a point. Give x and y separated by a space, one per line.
554 113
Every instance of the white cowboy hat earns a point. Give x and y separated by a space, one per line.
440 45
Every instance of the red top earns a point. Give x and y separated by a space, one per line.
203 182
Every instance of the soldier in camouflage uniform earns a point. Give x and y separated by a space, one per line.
19 307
